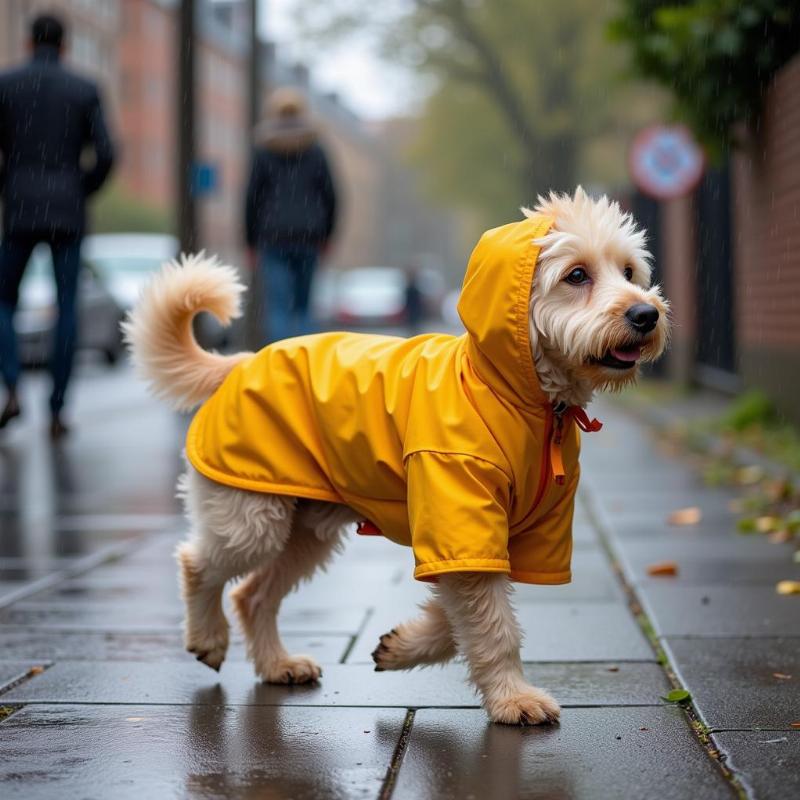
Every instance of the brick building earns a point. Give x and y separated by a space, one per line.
731 260
129 48
766 212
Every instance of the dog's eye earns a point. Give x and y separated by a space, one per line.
578 276
628 273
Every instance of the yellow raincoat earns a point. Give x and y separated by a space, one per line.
444 443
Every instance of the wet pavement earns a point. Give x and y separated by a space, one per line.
105 703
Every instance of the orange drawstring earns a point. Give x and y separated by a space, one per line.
583 422
367 528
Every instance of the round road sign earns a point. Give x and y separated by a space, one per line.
665 161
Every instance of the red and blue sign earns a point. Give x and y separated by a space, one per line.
666 162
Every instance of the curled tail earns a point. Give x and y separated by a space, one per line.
158 331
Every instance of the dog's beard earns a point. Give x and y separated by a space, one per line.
569 344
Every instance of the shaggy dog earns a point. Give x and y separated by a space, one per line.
593 317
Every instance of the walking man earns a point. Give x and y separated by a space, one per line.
48 117
290 212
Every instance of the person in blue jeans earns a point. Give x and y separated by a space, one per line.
48 118
290 213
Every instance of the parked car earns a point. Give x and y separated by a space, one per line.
370 296
99 314
127 261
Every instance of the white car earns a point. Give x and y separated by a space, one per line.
127 261
370 296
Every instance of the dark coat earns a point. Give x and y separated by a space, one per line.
48 116
291 197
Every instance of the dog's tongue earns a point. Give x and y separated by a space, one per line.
630 354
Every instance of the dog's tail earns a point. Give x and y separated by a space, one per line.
158 331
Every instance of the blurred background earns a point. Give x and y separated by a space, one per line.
440 118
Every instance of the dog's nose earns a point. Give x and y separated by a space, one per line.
642 317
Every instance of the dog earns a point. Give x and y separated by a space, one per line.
463 447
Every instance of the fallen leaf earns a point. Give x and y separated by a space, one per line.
778 490
35 670
788 587
781 676
747 476
794 724
663 569
613 669
746 525
678 696
766 524
685 516
779 537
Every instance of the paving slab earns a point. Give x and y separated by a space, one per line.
741 683
767 763
591 631
208 751
87 645
160 617
356 685
594 754
717 525
721 611
701 561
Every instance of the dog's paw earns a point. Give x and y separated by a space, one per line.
209 650
390 652
529 706
291 670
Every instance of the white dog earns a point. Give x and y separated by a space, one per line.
460 446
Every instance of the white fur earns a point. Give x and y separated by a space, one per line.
276 542
159 334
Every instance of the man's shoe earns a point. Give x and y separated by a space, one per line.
57 428
11 410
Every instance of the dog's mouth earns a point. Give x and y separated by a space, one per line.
625 357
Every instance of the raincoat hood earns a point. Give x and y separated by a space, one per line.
494 307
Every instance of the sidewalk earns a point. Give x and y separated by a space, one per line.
88 593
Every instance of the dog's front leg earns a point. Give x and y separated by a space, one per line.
426 639
487 632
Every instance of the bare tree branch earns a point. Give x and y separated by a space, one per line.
494 76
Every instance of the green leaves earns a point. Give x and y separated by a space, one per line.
678 696
716 56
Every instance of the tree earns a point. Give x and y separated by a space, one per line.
523 92
715 56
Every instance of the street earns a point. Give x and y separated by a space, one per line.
91 646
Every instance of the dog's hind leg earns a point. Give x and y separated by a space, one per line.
232 531
426 639
315 535
205 626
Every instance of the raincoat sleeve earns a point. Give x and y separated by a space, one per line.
458 514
